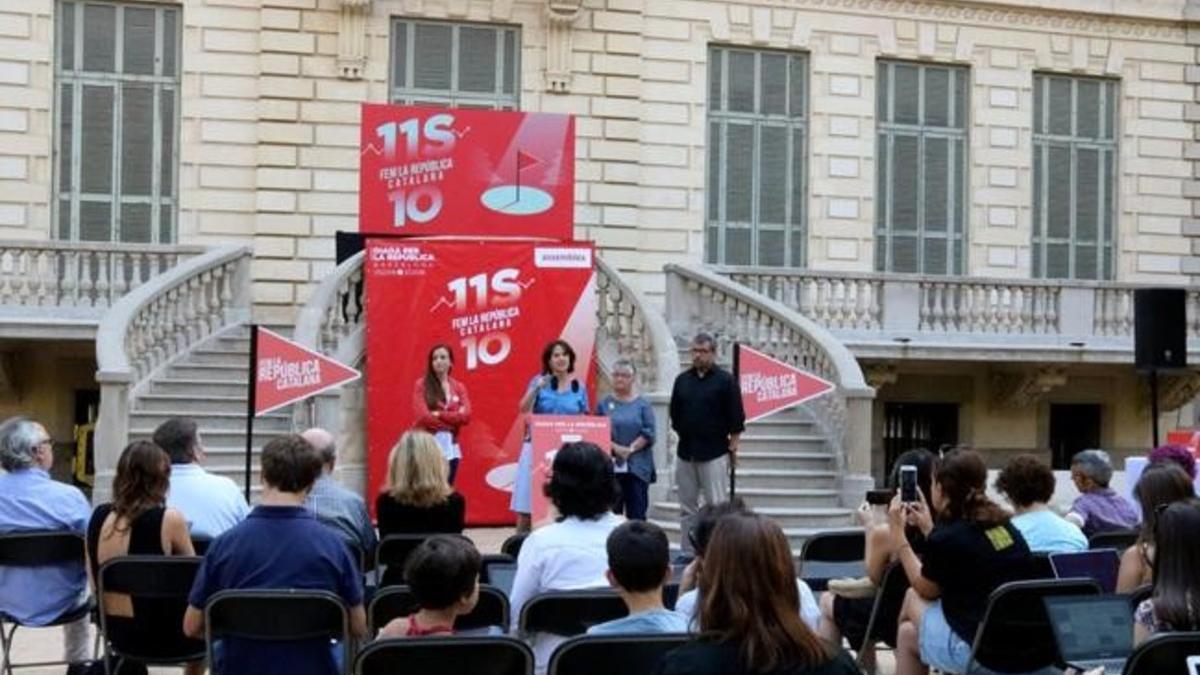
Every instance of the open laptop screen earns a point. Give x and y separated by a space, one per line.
1101 565
1090 628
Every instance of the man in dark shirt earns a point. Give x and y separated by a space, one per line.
280 545
706 413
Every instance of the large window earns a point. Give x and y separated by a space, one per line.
921 147
757 128
117 109
453 64
1074 168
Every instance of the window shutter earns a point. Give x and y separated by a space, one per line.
166 105
97 139
170 61
741 81
1060 106
135 223
477 59
510 61
937 169
907 91
774 83
95 221
905 182
1058 193
137 139
772 175
138 40
99 38
798 86
937 97
432 56
400 55
1088 112
66 138
66 36
739 172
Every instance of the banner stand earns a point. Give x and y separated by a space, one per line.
737 377
251 389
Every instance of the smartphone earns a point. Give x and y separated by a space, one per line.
908 483
880 497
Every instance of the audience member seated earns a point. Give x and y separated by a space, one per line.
972 550
333 504
750 617
571 553
639 563
211 504
1175 603
1161 485
848 617
1179 455
279 545
137 522
443 573
1098 508
703 524
31 500
417 498
1028 484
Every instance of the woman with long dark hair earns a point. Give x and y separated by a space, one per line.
750 610
1175 603
1160 485
441 406
137 522
971 548
553 391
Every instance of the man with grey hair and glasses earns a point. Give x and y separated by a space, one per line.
1098 508
334 505
31 500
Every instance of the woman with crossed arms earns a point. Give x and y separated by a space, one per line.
441 406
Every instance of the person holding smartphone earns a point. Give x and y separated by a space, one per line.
553 391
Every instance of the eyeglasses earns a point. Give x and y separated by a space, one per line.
701 350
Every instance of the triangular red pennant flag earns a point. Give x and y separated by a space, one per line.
286 372
769 385
525 160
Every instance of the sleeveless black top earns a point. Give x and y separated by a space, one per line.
145 535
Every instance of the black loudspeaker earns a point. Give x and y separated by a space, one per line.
1159 328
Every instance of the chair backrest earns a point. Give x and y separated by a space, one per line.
200 545
151 577
1164 654
607 654
512 545
670 594
570 612
394 550
396 601
1118 539
1015 635
276 614
1137 595
835 546
885 611
1101 564
454 655
36 548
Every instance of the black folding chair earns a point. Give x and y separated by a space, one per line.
161 579
512 545
39 548
200 545
1015 635
885 612
831 555
278 615
570 613
396 601
1118 539
453 655
1164 654
394 550
1139 594
608 654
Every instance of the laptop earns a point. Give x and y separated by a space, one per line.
1101 565
502 575
1092 631
1193 664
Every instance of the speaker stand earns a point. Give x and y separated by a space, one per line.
1154 406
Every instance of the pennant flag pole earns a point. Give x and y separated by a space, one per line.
251 389
737 366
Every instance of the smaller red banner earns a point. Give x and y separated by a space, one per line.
1188 438
770 385
547 435
287 372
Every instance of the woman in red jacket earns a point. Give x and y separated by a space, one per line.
441 406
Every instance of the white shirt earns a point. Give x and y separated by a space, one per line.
211 504
564 556
810 611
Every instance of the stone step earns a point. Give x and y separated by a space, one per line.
810 443
783 497
215 437
784 459
192 402
787 517
786 478
219 357
197 387
208 371
275 422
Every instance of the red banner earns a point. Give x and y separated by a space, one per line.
287 372
770 385
496 305
547 434
442 171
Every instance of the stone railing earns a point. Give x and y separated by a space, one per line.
634 331
698 299
87 277
152 324
903 304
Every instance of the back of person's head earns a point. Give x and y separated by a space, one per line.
323 442
1160 485
417 471
179 437
443 570
1177 566
290 464
19 441
962 478
706 521
1025 481
142 479
1176 454
583 484
748 596
1094 465
639 557
921 458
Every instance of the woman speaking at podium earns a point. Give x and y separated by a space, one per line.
554 391
441 406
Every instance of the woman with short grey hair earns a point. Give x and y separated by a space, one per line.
1098 508
633 430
